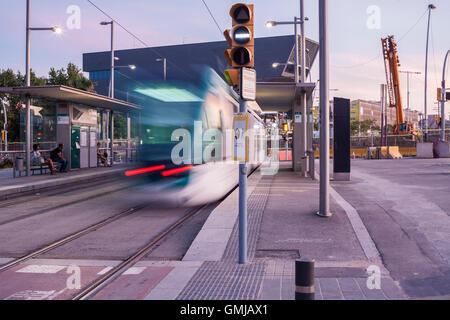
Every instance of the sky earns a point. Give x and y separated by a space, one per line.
356 27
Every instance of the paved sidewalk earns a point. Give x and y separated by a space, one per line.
282 226
10 187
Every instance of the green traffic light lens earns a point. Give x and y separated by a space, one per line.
241 35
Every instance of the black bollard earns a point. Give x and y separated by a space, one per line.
304 279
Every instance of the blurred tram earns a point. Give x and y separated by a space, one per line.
186 141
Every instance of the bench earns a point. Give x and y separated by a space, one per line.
44 167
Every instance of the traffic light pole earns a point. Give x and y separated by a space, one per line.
242 200
443 98
324 210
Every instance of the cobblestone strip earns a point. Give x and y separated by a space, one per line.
256 204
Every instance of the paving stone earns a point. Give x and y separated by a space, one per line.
330 289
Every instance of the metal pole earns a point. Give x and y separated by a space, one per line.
28 102
242 201
296 75
426 72
111 135
112 59
443 98
165 69
5 126
303 94
407 108
324 112
382 116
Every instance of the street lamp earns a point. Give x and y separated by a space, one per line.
408 73
430 7
54 29
304 130
113 58
164 60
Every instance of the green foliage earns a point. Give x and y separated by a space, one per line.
72 77
363 126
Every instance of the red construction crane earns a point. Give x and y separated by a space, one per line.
391 64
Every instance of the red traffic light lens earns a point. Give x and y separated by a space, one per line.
241 14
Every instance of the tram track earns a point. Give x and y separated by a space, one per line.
72 236
99 284
44 210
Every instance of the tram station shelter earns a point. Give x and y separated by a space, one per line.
274 65
78 119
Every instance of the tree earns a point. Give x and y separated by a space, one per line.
72 77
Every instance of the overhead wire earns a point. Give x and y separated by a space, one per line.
137 38
379 55
212 16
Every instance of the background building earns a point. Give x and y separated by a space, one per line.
362 110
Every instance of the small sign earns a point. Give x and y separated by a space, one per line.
298 117
248 84
240 127
63 119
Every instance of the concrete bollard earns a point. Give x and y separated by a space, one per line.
304 279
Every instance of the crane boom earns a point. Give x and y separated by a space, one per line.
391 64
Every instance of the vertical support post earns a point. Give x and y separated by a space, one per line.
112 59
242 201
111 135
28 100
382 114
128 153
304 125
324 210
165 69
443 98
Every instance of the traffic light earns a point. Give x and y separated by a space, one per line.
3 135
285 127
232 77
447 94
241 37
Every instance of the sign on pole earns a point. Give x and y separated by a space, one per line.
248 84
240 127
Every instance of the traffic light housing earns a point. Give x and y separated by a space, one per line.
439 94
232 76
241 36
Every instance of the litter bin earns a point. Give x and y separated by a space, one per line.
19 165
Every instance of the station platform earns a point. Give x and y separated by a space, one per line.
282 227
11 187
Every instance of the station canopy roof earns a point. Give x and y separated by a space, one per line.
69 94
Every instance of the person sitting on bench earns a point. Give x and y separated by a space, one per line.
57 156
37 159
103 157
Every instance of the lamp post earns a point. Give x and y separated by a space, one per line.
443 98
164 60
299 21
430 7
105 23
408 73
57 30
